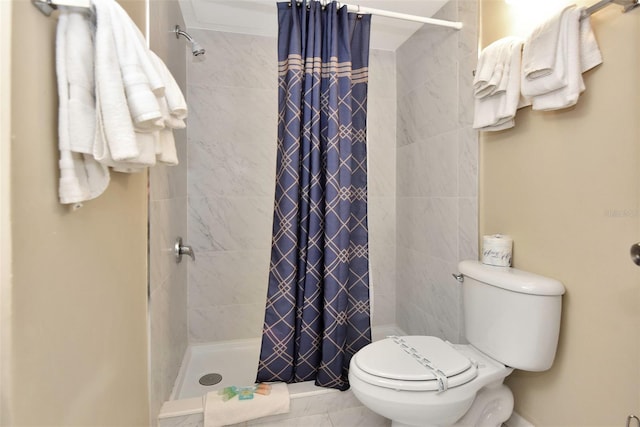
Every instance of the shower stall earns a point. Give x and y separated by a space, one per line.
422 160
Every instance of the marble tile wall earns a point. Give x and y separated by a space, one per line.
167 220
232 94
381 140
437 172
232 151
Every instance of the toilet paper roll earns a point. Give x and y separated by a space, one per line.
497 250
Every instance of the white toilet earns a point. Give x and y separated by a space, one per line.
512 321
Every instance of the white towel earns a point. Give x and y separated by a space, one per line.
583 54
81 177
118 101
567 95
491 75
165 146
176 103
145 80
544 56
137 40
497 111
483 73
220 413
590 55
141 100
116 139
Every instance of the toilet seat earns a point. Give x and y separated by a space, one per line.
413 363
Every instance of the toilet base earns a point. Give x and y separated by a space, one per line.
492 406
399 424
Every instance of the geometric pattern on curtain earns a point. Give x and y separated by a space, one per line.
317 313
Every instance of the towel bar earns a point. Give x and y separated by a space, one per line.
627 5
48 6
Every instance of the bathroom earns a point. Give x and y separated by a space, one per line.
564 185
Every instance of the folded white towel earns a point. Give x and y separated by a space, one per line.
135 66
544 56
165 146
80 82
567 95
497 111
81 177
147 142
116 140
590 55
176 103
137 40
220 413
118 101
148 86
491 75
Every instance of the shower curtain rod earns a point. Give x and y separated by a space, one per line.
403 16
355 8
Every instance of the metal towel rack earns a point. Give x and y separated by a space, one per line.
48 6
627 5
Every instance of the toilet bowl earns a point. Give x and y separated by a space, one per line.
512 320
385 376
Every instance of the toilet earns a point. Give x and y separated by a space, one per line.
512 321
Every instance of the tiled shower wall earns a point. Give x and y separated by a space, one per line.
167 220
437 172
232 147
232 96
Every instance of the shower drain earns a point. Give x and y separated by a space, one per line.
210 379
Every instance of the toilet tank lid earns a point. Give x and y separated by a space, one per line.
511 278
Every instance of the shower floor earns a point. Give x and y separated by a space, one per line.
235 360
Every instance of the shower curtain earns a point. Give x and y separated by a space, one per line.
317 311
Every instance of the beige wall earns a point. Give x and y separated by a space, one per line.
79 331
5 194
566 186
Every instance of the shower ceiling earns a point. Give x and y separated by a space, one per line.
259 17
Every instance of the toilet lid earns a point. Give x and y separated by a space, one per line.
414 363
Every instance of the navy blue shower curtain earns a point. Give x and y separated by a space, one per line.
317 311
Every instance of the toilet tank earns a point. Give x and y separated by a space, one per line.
511 315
